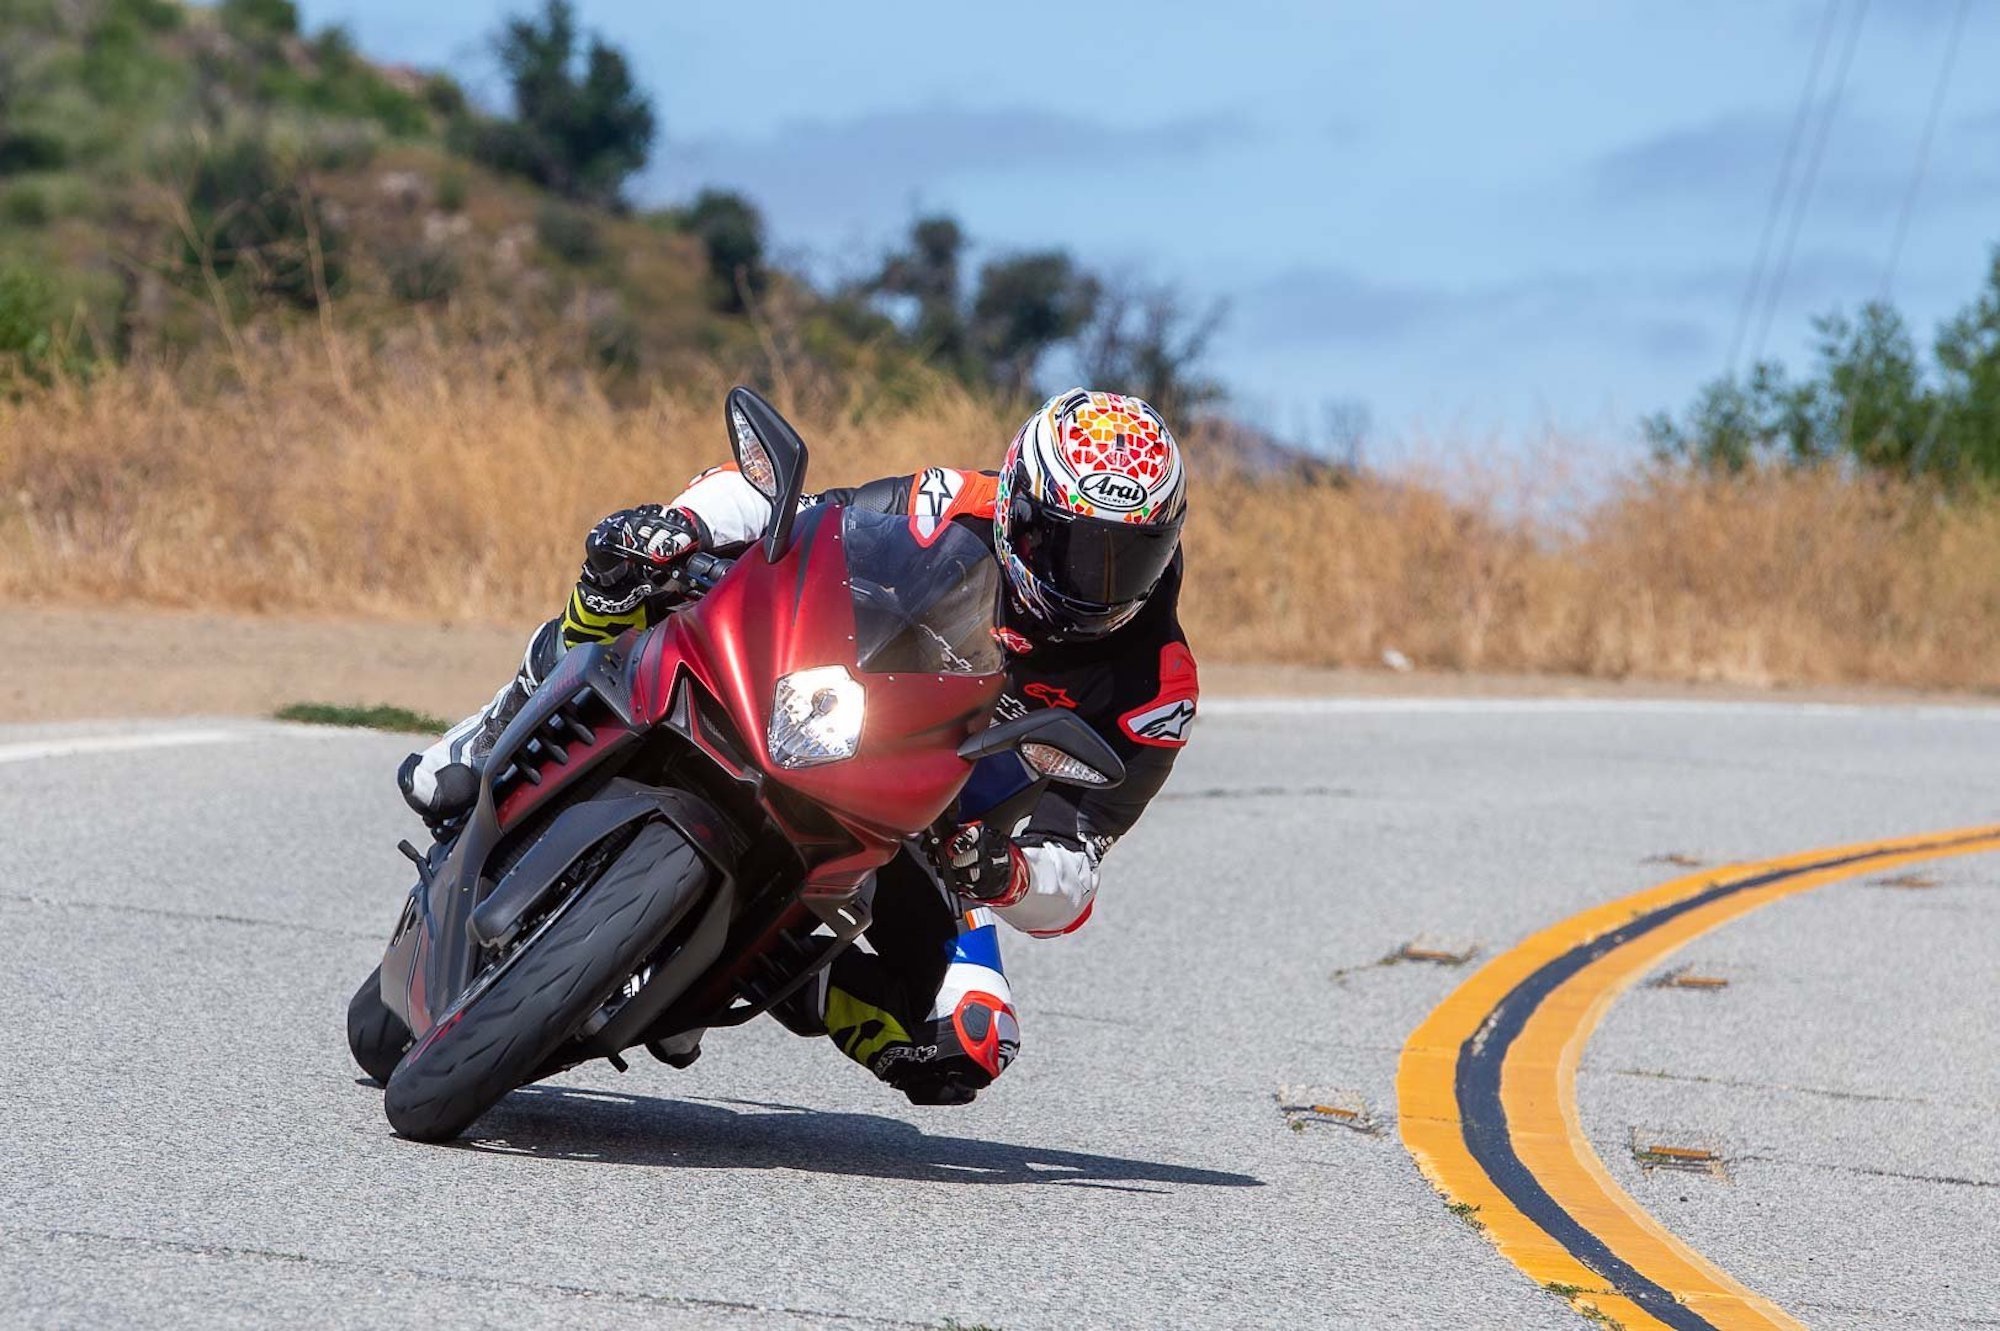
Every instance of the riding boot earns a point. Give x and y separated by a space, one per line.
441 782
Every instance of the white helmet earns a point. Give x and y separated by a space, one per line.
1088 511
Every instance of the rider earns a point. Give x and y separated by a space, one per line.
1084 516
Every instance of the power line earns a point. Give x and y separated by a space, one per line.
1778 194
1803 200
1924 150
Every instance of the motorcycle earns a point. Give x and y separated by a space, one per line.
680 829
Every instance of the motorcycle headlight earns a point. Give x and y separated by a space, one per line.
815 717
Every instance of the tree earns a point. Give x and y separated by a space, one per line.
1028 304
1871 401
925 273
1134 339
1968 357
1734 425
261 21
582 133
731 231
1866 401
1145 341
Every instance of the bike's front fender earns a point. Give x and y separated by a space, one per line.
447 922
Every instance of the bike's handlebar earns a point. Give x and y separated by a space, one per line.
701 570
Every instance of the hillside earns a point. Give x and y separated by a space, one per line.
176 178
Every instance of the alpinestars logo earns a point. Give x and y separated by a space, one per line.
1049 695
1165 724
936 489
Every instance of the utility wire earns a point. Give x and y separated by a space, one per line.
1803 200
1777 204
1923 151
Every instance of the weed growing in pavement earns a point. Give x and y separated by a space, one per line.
1467 1212
399 719
1588 1312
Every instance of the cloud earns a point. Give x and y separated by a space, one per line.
1669 319
1732 162
868 169
1719 156
1819 279
1337 304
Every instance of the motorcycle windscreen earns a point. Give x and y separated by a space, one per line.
920 607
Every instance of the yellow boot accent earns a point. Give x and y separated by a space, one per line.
861 1029
581 624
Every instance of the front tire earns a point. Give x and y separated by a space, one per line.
499 1039
376 1036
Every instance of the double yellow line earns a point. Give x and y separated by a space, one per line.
1487 1091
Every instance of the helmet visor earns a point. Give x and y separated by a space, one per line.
1094 562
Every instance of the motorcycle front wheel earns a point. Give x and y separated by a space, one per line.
518 1015
376 1036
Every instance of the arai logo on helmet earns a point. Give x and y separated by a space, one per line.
1107 489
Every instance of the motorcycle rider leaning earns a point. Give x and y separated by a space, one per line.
1084 516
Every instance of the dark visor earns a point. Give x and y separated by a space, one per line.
1093 561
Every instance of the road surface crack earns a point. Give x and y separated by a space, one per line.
274 1256
1948 1180
1829 1092
191 916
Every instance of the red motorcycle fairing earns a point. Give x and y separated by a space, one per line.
905 770
597 710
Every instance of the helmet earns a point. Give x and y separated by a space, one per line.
1088 511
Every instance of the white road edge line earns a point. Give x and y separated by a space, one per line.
73 745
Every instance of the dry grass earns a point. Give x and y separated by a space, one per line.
455 484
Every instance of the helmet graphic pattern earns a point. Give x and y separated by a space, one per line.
1103 455
1096 455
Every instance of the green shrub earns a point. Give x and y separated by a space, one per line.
570 234
28 205
453 188
27 309
251 20
155 15
29 347
343 146
444 96
424 272
614 340
344 84
30 150
732 233
255 221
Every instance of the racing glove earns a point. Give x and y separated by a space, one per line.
626 556
983 864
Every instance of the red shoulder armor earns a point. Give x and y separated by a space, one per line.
939 494
1164 720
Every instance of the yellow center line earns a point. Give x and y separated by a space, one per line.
1554 1209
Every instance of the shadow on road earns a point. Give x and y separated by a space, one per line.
614 1128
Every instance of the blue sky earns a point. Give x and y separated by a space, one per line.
1479 220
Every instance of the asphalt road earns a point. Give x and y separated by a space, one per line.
185 1142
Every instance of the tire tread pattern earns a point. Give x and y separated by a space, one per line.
504 1034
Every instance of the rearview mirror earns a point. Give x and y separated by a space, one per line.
772 458
1056 743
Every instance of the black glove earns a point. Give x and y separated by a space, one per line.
650 536
625 556
983 864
